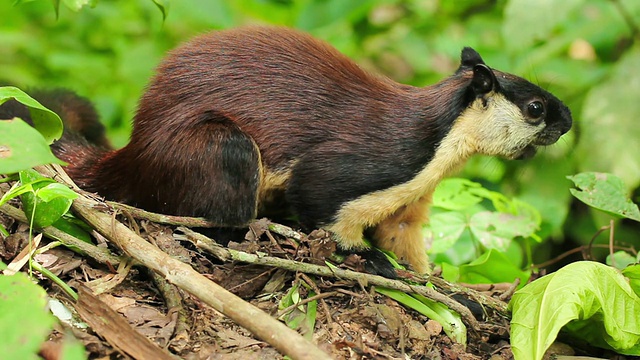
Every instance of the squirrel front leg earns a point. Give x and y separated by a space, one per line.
401 233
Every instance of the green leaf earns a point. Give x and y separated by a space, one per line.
445 228
451 322
490 268
44 212
314 14
455 194
633 274
45 121
539 189
70 227
609 130
604 192
450 272
55 190
463 251
309 323
620 260
24 319
601 306
16 190
22 147
496 230
299 318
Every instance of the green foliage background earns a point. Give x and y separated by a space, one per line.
584 51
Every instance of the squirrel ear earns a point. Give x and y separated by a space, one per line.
470 58
484 80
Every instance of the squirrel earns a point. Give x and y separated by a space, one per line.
250 121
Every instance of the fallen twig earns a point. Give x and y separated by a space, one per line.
98 254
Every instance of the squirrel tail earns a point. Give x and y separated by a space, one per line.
77 113
83 141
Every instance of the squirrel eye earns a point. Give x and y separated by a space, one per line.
535 109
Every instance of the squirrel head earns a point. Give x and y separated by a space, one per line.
506 114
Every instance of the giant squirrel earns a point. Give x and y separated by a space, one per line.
237 123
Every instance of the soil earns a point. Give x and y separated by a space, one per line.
348 319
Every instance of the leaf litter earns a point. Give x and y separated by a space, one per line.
354 322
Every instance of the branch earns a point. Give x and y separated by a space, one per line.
100 255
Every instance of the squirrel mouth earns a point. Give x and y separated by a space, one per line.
548 138
526 153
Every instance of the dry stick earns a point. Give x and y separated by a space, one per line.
611 242
162 219
100 255
226 254
262 325
583 248
173 301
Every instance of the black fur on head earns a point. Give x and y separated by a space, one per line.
470 58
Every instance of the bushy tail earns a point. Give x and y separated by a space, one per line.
83 142
78 114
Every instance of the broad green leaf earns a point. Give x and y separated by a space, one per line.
464 250
601 306
71 227
527 22
455 194
451 322
24 319
22 147
609 130
450 272
46 121
604 192
55 190
633 274
309 323
490 268
49 211
445 228
620 259
496 230
288 299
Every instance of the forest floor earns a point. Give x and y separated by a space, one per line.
346 318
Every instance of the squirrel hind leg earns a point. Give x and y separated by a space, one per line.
225 182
